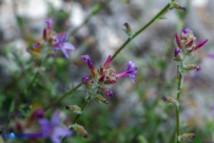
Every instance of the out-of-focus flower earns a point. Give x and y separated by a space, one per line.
49 22
52 129
48 33
131 71
62 45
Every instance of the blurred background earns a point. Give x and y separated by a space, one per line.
136 112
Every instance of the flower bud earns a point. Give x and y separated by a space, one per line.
100 98
169 99
177 55
199 45
186 136
74 108
178 40
192 67
178 6
127 29
80 129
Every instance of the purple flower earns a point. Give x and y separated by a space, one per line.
177 51
199 45
52 129
49 22
108 60
186 30
178 40
109 92
198 68
87 60
62 45
130 71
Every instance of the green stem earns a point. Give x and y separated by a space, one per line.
179 88
82 108
63 96
158 15
36 75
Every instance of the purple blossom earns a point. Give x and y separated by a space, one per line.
130 71
85 79
87 60
177 51
198 68
199 44
107 61
109 92
49 22
178 40
62 45
36 44
186 30
52 129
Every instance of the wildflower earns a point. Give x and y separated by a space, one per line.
49 22
48 32
105 75
177 51
109 92
130 71
199 45
62 45
187 41
88 60
52 129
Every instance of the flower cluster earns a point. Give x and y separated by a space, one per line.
58 41
106 75
187 44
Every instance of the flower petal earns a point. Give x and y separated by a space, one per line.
55 118
68 46
64 51
62 131
55 139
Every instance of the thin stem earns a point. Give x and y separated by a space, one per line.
63 96
82 108
179 88
36 75
158 15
